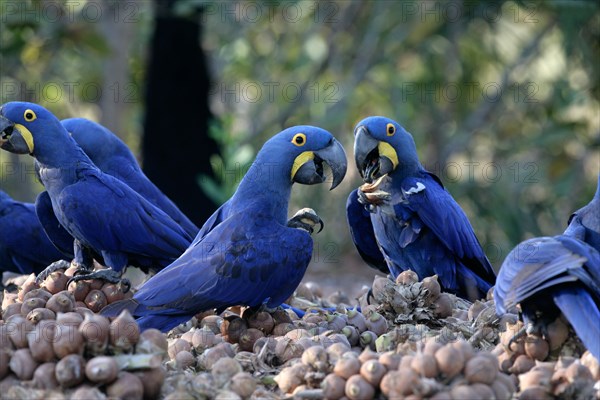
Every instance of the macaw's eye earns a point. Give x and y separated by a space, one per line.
391 129
299 139
29 115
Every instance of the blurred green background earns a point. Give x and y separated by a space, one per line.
501 97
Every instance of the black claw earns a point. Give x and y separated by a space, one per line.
370 296
106 275
520 333
55 266
298 221
126 284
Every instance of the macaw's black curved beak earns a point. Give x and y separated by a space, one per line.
12 139
311 171
373 158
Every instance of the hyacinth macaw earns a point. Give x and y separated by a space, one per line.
100 212
415 222
24 247
246 253
113 157
549 275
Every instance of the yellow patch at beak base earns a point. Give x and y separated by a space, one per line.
27 136
301 160
386 150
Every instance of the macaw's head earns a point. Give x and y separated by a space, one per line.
26 127
381 145
302 151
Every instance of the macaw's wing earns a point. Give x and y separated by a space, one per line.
60 238
24 245
443 216
158 198
127 171
580 309
363 236
532 266
590 273
107 215
215 219
241 261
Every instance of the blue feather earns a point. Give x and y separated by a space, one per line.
548 275
114 158
24 246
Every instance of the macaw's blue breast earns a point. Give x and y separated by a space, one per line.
408 245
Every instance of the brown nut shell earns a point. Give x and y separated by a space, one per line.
22 364
424 365
334 387
152 341
112 292
95 300
124 332
357 388
243 384
80 290
481 369
407 277
127 386
95 332
40 341
450 361
152 381
373 371
67 340
55 282
62 301
346 367
39 314
102 369
70 370
537 348
31 304
44 376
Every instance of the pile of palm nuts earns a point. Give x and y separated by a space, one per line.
406 339
54 345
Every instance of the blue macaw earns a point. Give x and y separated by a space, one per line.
99 211
549 275
113 157
24 247
246 253
414 222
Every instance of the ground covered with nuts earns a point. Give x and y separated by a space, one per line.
407 340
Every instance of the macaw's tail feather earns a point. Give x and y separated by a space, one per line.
579 308
114 309
164 323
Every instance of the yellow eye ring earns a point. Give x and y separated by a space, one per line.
299 139
29 115
390 129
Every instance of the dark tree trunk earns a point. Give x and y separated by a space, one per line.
176 146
